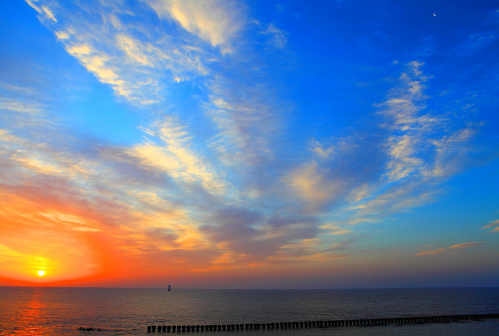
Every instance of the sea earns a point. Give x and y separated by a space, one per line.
125 311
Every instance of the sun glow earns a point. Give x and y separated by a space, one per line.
41 273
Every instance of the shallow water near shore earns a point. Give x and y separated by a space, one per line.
118 311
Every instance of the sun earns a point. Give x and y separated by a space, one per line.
41 273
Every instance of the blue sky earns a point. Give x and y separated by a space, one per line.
232 144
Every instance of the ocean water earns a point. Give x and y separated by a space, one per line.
118 311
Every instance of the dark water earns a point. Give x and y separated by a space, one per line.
61 311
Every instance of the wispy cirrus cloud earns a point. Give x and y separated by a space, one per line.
214 21
365 178
491 225
476 42
20 106
133 59
247 122
43 10
277 37
175 157
451 249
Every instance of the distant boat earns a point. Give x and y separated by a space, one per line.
169 287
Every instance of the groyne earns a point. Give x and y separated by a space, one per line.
319 324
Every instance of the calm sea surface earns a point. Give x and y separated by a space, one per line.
61 311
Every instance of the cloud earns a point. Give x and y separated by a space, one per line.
215 21
18 106
44 11
17 89
432 252
81 196
133 60
346 173
62 35
277 37
396 199
313 187
491 225
246 237
420 147
450 249
98 63
476 42
176 158
361 192
133 49
334 229
465 245
397 167
248 119
452 151
48 12
322 153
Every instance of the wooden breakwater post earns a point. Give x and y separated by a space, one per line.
321 324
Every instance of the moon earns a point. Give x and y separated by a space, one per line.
41 273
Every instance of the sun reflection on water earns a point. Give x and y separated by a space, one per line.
31 315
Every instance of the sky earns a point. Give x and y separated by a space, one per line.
249 144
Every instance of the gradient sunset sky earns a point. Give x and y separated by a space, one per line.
249 144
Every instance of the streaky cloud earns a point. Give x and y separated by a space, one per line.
450 249
133 60
491 225
215 21
44 11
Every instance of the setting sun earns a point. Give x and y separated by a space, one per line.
41 273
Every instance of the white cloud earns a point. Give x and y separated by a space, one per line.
134 59
319 150
49 13
277 37
312 186
414 134
133 49
176 157
44 11
403 163
100 65
18 106
451 152
215 21
418 151
247 119
360 193
62 35
396 198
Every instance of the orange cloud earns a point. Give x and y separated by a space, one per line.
432 252
443 250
